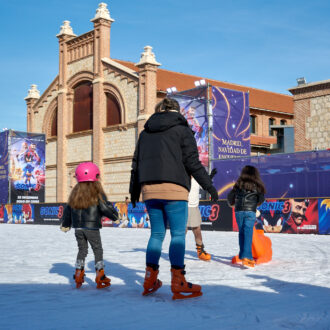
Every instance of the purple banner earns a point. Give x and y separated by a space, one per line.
193 104
231 123
294 175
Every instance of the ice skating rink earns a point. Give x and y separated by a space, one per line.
37 289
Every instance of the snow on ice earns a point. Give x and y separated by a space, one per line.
37 290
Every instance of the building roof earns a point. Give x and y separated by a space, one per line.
259 99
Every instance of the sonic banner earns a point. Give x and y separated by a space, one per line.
231 123
290 216
4 167
27 167
193 104
17 213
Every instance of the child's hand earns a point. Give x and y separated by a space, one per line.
65 229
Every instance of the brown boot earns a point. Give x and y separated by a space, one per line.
79 277
151 282
101 280
179 285
202 254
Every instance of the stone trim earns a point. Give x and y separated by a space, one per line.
79 134
51 139
110 64
273 111
312 92
119 127
48 92
117 159
51 167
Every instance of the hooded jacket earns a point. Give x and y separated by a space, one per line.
166 152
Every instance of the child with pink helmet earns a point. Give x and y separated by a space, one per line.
87 204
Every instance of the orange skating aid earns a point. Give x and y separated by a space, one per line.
151 282
101 280
181 288
261 247
79 277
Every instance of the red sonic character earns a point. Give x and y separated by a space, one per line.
2 212
40 177
27 212
32 155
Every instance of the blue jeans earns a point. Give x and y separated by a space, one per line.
175 213
245 221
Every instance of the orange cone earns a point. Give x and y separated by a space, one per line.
261 247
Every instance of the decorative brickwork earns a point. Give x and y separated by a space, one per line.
312 115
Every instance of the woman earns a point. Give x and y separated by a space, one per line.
165 158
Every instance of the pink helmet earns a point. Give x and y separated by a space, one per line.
87 172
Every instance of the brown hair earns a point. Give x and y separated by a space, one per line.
250 180
167 104
86 194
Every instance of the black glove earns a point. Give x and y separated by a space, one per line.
213 173
214 194
133 203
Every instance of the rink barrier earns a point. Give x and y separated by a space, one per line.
274 216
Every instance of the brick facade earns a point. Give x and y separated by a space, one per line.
137 88
312 115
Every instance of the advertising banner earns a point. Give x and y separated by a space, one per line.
27 167
216 216
49 213
324 216
231 123
193 104
129 217
291 175
4 167
17 213
291 216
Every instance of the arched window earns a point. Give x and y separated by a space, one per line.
83 107
53 129
271 122
283 122
253 124
113 110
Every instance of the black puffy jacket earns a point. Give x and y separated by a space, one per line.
167 152
245 200
89 218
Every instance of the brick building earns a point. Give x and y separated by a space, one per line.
312 115
96 106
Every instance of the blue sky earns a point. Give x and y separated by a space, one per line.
257 43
